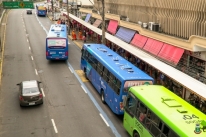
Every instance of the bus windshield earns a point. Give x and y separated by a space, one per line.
56 43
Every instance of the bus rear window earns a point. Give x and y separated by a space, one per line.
56 43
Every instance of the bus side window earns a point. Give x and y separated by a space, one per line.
108 76
105 74
86 55
172 134
131 105
99 68
165 130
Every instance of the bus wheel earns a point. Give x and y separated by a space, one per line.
136 134
102 96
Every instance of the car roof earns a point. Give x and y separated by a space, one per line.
29 84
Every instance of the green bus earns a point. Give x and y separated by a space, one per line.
155 111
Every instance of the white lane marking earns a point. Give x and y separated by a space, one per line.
43 92
104 119
23 25
36 72
24 29
70 70
29 48
84 89
55 128
32 58
27 40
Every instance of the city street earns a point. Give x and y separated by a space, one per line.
67 110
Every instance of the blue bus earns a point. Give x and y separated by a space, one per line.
111 74
57 43
41 10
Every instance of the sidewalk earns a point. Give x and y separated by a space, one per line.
77 42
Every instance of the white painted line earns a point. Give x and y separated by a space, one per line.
29 48
55 128
24 29
104 119
27 40
36 72
84 89
43 92
70 70
32 58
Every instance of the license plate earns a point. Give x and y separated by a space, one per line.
52 52
32 103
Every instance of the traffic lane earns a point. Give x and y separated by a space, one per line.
74 60
69 106
45 21
18 66
74 55
117 120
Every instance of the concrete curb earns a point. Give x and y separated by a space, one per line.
2 15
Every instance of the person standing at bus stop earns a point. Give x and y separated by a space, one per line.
80 35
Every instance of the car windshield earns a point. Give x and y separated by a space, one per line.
30 90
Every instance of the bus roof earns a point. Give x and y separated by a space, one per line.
174 111
57 30
123 69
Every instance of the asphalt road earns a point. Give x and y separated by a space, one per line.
65 102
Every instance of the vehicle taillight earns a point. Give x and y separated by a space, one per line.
40 95
66 53
47 53
121 105
21 98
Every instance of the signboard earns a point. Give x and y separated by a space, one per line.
56 42
18 5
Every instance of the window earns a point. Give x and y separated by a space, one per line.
141 112
105 73
100 68
131 103
85 55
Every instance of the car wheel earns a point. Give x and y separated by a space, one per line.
20 105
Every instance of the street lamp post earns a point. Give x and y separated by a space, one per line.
103 23
68 21
52 2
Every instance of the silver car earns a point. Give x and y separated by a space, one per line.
30 93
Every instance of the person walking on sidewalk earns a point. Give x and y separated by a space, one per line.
74 37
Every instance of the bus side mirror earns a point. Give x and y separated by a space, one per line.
82 50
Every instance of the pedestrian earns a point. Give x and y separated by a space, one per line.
59 21
80 35
74 37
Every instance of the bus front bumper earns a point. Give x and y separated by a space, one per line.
56 58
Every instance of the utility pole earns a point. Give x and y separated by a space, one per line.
52 2
68 21
103 23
